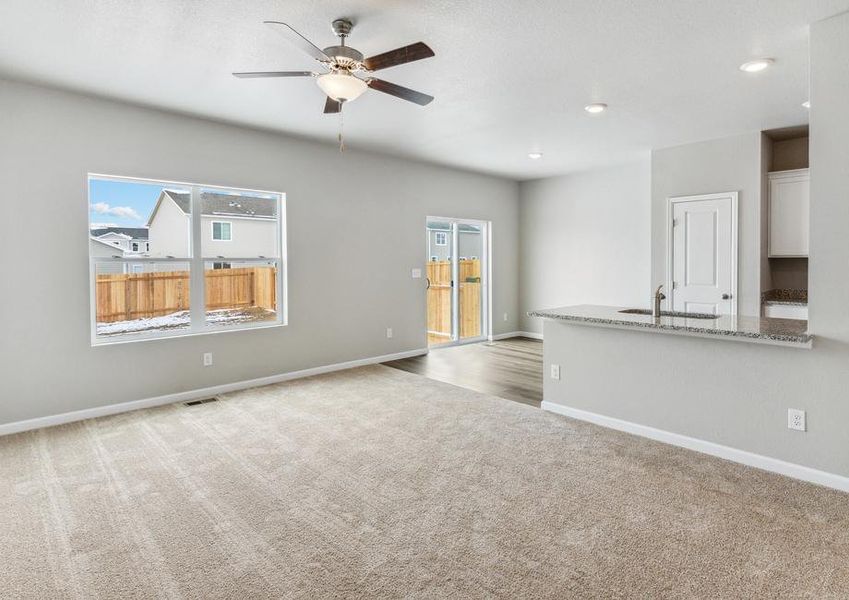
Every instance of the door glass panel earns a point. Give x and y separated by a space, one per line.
439 297
471 290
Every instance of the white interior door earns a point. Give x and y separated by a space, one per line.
703 257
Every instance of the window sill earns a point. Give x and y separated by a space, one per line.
95 343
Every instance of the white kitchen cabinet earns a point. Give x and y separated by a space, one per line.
786 311
789 213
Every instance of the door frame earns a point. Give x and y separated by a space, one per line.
486 270
671 201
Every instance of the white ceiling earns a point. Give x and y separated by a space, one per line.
509 76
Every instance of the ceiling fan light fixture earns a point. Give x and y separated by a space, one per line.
342 87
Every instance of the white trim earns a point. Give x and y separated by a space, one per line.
485 229
121 236
512 334
670 241
197 280
112 409
750 459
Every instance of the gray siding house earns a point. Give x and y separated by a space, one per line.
439 241
232 226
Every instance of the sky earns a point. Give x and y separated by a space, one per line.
121 203
129 204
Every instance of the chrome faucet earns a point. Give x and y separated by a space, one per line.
658 296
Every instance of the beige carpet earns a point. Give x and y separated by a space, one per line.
379 483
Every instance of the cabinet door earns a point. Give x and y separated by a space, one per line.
789 207
784 311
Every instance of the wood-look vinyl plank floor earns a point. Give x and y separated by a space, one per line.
510 368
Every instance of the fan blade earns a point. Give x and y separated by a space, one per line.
274 74
295 38
399 91
332 106
399 56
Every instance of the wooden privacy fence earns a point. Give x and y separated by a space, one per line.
124 297
439 298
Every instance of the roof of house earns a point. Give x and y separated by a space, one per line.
136 233
111 247
213 203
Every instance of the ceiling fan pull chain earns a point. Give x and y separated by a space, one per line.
341 130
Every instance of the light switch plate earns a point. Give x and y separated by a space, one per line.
416 273
555 371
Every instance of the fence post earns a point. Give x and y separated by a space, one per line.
128 313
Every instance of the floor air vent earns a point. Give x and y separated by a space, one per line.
202 401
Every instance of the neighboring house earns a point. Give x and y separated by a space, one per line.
439 241
124 242
131 240
232 226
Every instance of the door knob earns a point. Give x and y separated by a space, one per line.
726 296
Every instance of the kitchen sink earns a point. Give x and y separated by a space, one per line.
669 313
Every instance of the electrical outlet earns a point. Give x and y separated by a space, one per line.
555 371
416 273
207 359
796 419
389 332
505 316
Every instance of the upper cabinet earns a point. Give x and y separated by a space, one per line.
789 210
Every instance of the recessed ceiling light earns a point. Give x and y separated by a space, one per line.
806 104
755 66
595 108
534 155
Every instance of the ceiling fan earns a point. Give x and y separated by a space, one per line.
348 72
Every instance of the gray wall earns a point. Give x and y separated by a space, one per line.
724 165
585 239
791 154
789 273
737 393
339 303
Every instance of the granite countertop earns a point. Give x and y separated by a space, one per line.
781 332
786 297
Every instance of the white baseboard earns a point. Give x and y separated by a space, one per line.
112 409
512 334
531 334
758 461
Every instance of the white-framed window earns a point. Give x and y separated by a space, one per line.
440 238
222 231
135 247
187 285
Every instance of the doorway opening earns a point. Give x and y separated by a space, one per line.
457 270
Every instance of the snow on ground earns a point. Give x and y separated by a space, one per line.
180 320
